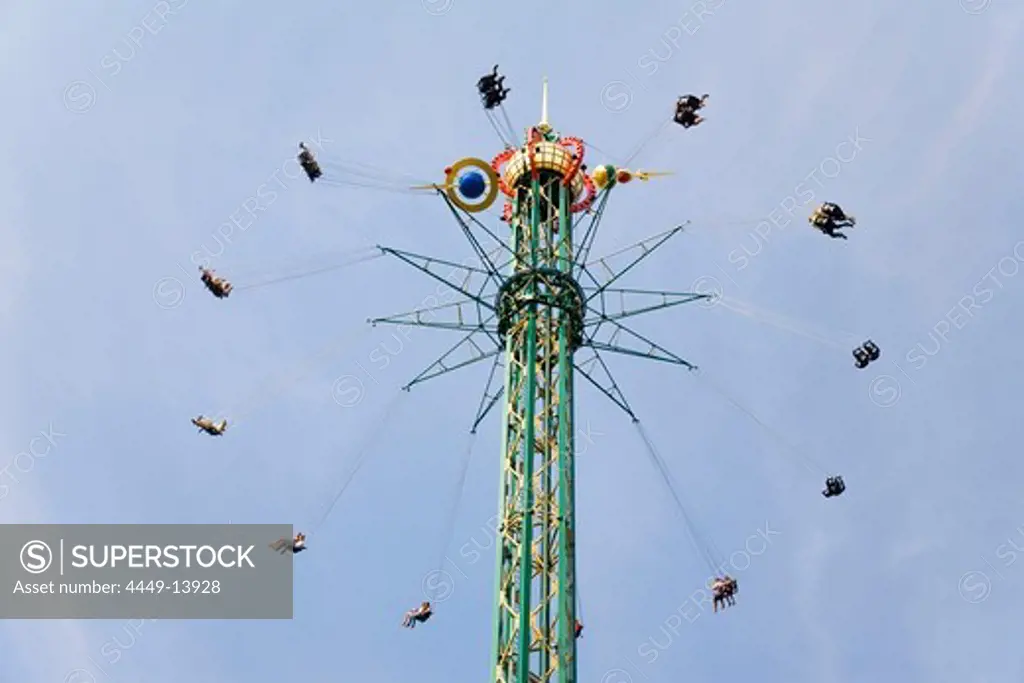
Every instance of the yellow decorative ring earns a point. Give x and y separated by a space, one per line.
451 184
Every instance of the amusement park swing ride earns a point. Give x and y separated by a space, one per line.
543 314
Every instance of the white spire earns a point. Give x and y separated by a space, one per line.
544 104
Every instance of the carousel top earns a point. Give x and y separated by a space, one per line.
544 151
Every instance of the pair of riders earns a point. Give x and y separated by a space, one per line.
492 90
218 285
830 218
834 486
866 353
686 110
723 589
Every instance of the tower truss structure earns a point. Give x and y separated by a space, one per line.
543 314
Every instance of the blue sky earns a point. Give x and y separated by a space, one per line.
170 136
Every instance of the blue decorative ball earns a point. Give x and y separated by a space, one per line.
472 185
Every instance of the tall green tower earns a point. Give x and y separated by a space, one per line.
543 314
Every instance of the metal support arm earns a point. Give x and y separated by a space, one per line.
616 304
635 344
466 316
646 247
426 263
596 366
440 367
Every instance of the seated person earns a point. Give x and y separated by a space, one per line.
207 425
730 589
836 213
691 102
489 81
687 118
420 615
309 163
219 286
296 545
718 593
